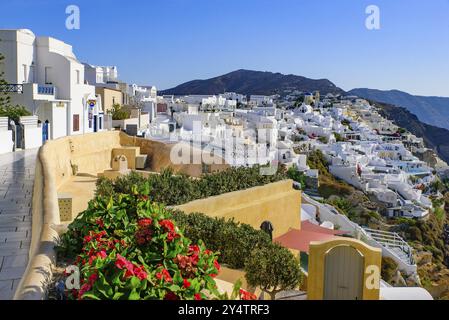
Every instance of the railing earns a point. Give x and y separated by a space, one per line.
392 240
11 88
46 90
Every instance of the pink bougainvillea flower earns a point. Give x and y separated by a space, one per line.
140 273
102 254
122 263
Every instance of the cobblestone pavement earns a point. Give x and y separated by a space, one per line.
16 188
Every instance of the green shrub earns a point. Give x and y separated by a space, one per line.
297 176
14 112
118 113
234 241
176 189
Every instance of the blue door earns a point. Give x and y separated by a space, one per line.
44 132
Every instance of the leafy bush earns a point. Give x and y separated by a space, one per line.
176 189
127 247
233 240
118 113
274 269
297 176
14 112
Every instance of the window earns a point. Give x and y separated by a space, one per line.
48 75
78 77
25 73
76 122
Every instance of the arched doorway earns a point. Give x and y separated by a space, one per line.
343 274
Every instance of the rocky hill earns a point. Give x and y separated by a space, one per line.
435 138
430 110
254 82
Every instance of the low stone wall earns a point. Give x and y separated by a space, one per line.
45 216
277 202
159 156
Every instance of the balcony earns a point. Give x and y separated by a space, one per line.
46 90
11 88
33 90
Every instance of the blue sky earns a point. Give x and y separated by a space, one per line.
167 42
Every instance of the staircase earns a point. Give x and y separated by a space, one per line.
394 243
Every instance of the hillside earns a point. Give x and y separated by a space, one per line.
431 110
254 82
434 137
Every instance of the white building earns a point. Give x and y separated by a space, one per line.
49 81
100 74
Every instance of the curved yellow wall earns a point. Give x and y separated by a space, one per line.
277 202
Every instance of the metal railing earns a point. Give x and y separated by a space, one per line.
11 88
391 240
45 90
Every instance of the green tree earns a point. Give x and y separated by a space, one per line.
119 113
262 272
297 176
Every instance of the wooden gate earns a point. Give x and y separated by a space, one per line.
343 274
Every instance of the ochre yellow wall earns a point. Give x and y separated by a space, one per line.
108 96
317 253
276 202
159 156
91 152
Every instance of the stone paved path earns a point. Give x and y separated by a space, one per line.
16 188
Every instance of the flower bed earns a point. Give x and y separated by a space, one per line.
129 247
170 189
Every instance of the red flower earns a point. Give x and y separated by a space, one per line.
100 223
171 296
121 263
87 239
167 225
245 295
140 273
145 223
102 254
194 248
194 259
186 283
164 275
86 287
93 278
216 265
197 296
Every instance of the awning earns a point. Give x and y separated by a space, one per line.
301 239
